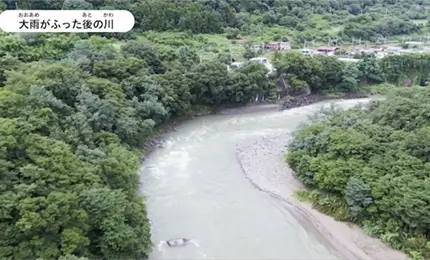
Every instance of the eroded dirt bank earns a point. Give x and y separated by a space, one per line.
263 164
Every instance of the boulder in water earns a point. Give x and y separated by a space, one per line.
177 242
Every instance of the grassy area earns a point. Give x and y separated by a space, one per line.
332 29
302 195
209 46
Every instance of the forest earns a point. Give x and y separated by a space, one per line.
369 165
75 109
299 20
74 115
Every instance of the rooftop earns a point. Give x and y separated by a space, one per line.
327 48
270 43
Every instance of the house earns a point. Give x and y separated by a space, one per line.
394 49
257 47
372 50
278 46
308 52
236 65
265 61
260 60
328 50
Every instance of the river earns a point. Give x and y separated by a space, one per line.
196 189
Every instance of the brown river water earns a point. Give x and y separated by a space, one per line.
197 188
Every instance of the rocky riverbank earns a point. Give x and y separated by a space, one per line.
299 101
263 164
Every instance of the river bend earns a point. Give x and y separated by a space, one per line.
196 189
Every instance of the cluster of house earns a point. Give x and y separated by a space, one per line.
379 51
273 46
286 46
325 50
383 50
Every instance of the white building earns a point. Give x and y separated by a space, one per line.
279 46
235 65
308 52
265 61
328 50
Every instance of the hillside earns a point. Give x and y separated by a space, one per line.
230 26
75 109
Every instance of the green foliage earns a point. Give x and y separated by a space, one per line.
327 74
369 164
73 113
299 20
380 89
302 195
408 69
75 109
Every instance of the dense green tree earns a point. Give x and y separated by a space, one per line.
368 164
75 109
71 119
367 20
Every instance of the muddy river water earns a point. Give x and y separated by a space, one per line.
196 189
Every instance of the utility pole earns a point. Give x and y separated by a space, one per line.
335 40
229 50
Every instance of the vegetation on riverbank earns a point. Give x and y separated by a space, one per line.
370 165
70 130
328 78
76 108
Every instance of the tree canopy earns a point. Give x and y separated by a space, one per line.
369 164
74 113
76 108
367 20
